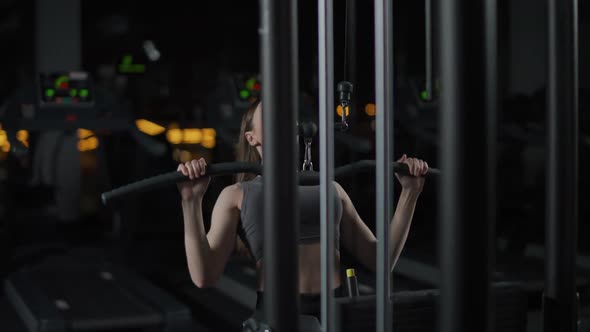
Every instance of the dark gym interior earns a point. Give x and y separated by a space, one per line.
95 95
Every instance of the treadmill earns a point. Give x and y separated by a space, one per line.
82 290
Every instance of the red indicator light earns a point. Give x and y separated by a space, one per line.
256 87
71 118
63 85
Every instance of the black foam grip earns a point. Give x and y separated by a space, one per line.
369 165
175 177
306 178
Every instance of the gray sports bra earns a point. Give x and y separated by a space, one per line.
252 216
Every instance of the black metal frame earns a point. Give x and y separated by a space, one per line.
468 85
279 65
326 97
560 306
384 155
492 110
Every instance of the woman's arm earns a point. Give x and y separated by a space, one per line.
207 253
400 224
356 235
359 239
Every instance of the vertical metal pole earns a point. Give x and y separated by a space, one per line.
464 236
451 307
428 45
351 75
351 18
384 92
326 84
492 111
560 307
281 218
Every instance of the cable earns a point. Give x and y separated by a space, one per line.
346 41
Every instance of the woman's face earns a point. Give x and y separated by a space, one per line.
254 136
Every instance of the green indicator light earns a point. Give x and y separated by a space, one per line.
49 93
83 93
138 68
424 95
127 59
250 84
73 92
129 69
61 81
244 94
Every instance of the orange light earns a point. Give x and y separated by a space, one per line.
22 135
3 139
339 110
88 144
92 143
4 144
209 132
192 136
370 109
208 140
174 136
148 127
84 133
204 136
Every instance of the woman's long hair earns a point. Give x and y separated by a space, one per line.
244 151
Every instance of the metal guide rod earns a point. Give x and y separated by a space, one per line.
428 47
560 305
384 91
464 242
326 85
492 111
281 217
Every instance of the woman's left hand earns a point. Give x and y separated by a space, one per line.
415 180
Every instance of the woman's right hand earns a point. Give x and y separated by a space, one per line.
197 186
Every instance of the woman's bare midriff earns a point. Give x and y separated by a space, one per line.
309 269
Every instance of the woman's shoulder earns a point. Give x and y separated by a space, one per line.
232 189
231 193
339 189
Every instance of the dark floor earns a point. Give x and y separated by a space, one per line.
215 310
160 259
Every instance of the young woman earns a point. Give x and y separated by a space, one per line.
238 211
